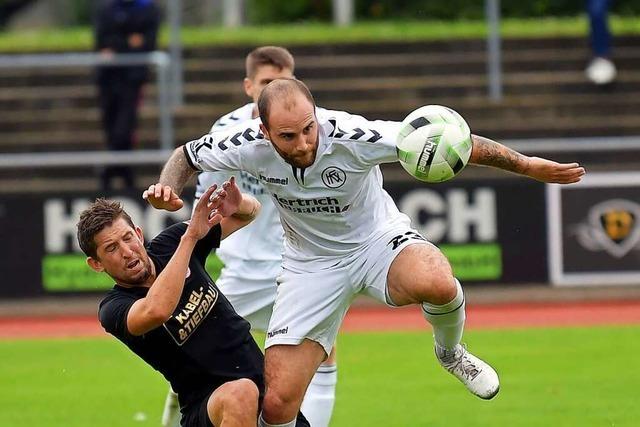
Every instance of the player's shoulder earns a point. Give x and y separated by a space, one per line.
112 294
237 137
231 137
343 128
116 301
234 118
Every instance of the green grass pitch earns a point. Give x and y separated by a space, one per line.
573 377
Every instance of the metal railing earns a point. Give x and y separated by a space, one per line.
160 60
494 49
158 157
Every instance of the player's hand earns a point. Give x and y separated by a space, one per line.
162 197
552 172
232 198
205 214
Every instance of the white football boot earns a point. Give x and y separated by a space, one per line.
480 378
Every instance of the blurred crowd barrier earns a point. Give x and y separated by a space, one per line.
508 231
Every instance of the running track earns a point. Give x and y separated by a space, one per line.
499 316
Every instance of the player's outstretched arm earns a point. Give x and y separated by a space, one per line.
238 209
175 174
487 152
157 306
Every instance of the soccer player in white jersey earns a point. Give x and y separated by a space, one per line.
343 233
253 257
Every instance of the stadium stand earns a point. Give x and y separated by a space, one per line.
546 93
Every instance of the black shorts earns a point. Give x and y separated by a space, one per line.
196 414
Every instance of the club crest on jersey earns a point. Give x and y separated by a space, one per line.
334 177
612 226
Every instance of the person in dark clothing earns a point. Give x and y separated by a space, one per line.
123 26
601 69
167 310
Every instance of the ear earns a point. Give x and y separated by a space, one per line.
248 87
139 233
265 132
95 265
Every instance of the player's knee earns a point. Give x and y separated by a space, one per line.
280 402
240 399
443 287
331 359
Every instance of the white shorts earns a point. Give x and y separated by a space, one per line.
251 298
312 304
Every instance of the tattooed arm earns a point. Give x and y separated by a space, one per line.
175 174
487 152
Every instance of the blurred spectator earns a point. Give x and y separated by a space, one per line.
123 26
601 70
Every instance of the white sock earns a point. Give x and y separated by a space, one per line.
447 319
317 405
171 414
263 423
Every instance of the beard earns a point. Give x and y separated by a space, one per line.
300 162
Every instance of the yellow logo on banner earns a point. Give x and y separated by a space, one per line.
612 226
618 224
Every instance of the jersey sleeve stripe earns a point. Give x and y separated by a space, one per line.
187 154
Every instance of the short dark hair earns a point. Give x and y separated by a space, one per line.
100 214
279 89
277 56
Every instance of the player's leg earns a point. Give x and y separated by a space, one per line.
306 317
171 412
320 397
253 300
421 274
288 371
234 404
125 124
402 268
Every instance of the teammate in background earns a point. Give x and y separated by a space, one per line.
168 311
343 234
253 256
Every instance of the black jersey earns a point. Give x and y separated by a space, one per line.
204 343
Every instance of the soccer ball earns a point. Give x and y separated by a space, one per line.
434 143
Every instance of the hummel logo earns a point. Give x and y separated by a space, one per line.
278 332
274 180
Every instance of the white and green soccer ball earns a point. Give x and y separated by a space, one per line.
434 143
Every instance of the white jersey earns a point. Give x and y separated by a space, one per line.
262 239
328 209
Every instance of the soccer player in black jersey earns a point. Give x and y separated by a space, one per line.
167 310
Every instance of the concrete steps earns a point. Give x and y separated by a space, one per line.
546 93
